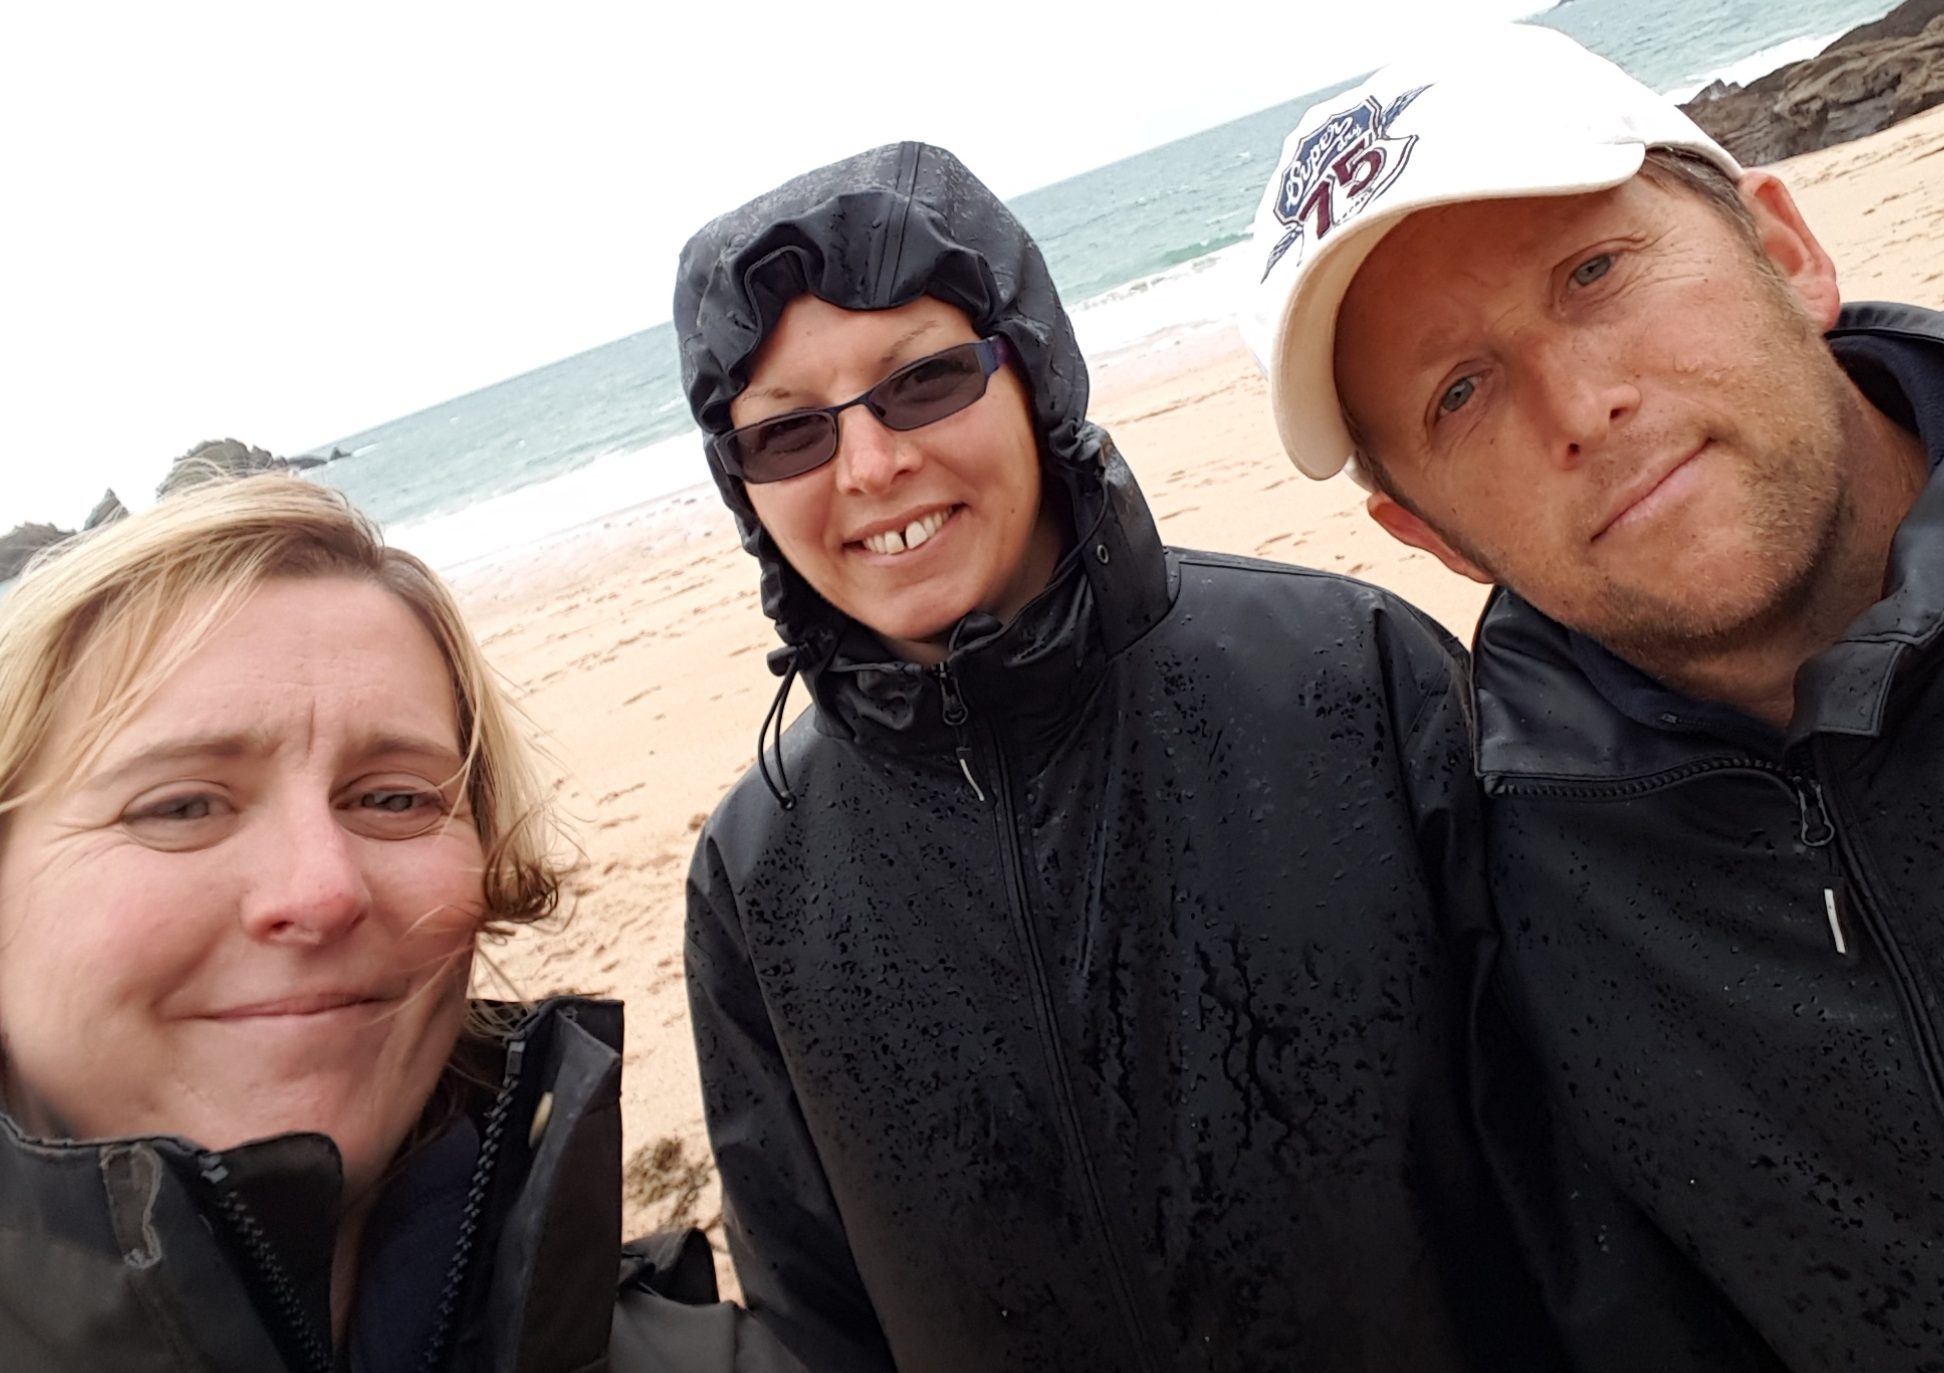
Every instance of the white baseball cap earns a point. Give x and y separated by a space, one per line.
1508 110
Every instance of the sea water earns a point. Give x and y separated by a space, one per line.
1142 248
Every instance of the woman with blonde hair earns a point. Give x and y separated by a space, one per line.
260 798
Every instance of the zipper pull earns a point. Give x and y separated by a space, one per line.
1816 829
965 766
1833 910
955 712
956 715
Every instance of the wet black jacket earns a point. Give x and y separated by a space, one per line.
152 1254
1730 943
1099 1001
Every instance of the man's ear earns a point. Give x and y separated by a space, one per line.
1791 245
1407 528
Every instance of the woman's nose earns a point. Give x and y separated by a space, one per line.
307 884
870 456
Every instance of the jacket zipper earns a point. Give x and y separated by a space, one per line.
960 719
1865 903
490 1136
1799 787
1812 816
956 716
291 1327
1818 831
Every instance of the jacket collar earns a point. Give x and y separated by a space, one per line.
1112 586
1542 715
1846 689
139 1215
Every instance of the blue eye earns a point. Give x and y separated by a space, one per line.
179 821
1592 269
394 812
396 802
199 806
1456 395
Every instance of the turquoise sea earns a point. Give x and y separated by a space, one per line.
1136 248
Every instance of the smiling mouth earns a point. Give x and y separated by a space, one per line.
1621 516
299 1007
918 533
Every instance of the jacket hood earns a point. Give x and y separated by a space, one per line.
873 232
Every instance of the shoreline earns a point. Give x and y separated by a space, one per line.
636 644
676 516
671 514
1117 366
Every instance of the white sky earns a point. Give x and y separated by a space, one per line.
290 223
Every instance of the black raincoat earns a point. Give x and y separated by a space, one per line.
1097 999
1730 941
142 1255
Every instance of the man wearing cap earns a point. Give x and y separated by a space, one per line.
1574 350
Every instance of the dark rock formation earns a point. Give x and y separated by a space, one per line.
1870 78
107 510
219 458
19 545
210 461
1905 21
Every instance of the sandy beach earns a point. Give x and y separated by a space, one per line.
637 645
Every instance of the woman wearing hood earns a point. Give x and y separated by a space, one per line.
1084 981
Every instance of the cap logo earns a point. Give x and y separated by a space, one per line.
1337 170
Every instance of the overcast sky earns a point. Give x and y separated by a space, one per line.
290 223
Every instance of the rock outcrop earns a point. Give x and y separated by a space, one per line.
106 511
211 461
1870 78
219 458
22 542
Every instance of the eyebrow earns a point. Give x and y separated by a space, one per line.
887 360
1433 352
257 744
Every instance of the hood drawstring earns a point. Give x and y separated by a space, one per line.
787 661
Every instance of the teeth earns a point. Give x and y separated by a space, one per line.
919 531
914 534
